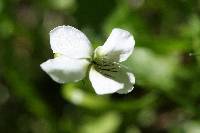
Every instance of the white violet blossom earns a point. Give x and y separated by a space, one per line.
75 58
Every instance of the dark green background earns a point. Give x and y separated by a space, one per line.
166 97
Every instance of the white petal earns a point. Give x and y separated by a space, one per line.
70 42
128 85
103 84
63 69
118 47
117 81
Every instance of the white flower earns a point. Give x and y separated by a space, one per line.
76 58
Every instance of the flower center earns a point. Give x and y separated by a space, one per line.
105 66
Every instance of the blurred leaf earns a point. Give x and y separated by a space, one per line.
153 70
187 127
81 98
103 102
6 28
63 4
107 123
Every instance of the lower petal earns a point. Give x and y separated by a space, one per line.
110 82
63 69
128 85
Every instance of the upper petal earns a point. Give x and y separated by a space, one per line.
118 47
70 42
63 69
110 82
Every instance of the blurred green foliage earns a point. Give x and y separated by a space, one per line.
166 97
